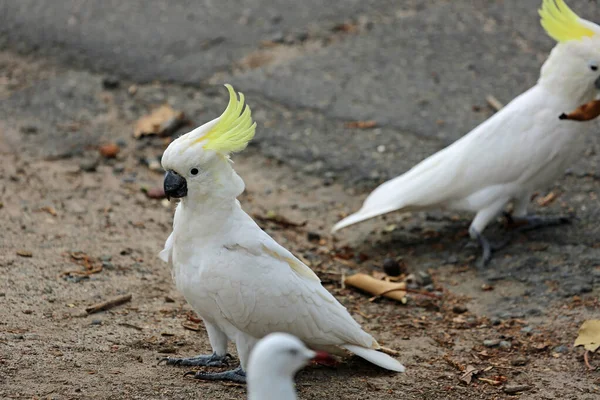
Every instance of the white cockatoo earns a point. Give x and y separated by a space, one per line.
240 281
523 147
274 362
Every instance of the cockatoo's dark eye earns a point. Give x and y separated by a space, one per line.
594 66
194 171
293 352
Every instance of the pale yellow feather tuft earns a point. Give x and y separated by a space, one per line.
561 23
234 129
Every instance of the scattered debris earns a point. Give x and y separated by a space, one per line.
110 82
109 150
191 326
24 253
106 305
584 112
468 374
346 27
495 381
162 121
128 325
272 216
547 200
92 266
360 124
514 389
494 102
391 290
50 210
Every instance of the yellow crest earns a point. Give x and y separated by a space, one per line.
234 129
561 23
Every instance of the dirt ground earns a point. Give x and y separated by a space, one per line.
78 229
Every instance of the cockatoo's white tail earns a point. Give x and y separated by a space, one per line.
359 216
376 357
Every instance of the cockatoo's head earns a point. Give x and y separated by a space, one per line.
573 67
198 164
281 354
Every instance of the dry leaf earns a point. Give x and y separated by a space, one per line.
109 150
547 200
378 288
585 112
468 374
361 124
50 210
589 335
161 121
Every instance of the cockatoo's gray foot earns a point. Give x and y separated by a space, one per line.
487 247
532 222
210 360
235 375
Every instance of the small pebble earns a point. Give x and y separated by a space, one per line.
561 349
504 344
520 361
491 342
391 267
108 265
29 129
110 82
88 164
313 236
109 150
513 389
527 330
97 322
459 309
424 278
105 258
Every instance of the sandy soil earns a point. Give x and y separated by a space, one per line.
76 233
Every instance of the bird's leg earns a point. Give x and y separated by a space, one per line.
208 360
486 246
235 375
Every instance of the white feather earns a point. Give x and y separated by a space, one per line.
520 148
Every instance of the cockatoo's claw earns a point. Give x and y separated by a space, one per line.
211 360
532 222
235 375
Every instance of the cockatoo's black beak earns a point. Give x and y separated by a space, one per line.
597 83
175 185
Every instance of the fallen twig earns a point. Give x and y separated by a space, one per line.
106 305
494 102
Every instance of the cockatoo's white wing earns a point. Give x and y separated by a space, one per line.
506 149
260 288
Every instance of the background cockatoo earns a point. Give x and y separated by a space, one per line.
273 363
241 282
523 147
